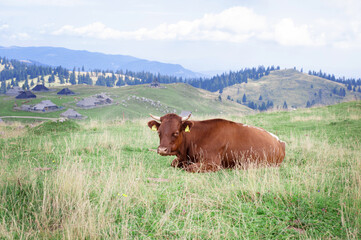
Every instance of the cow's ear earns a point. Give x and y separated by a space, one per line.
187 125
154 125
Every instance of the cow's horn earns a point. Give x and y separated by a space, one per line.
186 118
155 117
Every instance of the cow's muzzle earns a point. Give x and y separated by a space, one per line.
164 151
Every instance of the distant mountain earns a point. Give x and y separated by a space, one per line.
291 86
55 56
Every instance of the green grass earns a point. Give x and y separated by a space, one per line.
98 180
52 127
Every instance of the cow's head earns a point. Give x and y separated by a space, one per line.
170 128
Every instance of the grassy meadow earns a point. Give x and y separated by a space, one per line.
97 179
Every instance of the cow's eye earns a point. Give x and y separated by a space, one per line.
176 134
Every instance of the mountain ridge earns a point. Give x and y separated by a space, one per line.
68 58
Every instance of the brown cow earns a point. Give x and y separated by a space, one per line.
202 146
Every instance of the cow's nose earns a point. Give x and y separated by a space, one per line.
162 150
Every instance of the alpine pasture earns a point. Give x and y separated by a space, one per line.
97 179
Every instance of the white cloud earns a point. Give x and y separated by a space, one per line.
286 33
20 36
351 36
7 33
339 33
4 26
236 24
94 30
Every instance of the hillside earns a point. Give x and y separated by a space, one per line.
292 86
69 59
133 101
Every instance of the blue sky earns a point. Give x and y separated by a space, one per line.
198 34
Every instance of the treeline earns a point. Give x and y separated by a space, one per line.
32 74
120 78
261 106
21 71
147 77
352 84
339 91
224 80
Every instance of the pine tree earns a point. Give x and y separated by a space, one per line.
260 97
100 81
269 104
3 87
51 79
262 107
342 92
285 105
26 85
88 80
244 98
334 90
72 79
120 82
252 105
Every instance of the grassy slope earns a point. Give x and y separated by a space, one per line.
173 96
291 86
104 183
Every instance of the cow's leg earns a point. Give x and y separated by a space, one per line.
211 165
178 163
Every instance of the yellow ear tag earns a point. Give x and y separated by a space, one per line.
187 129
154 128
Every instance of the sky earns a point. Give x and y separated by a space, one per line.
202 35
